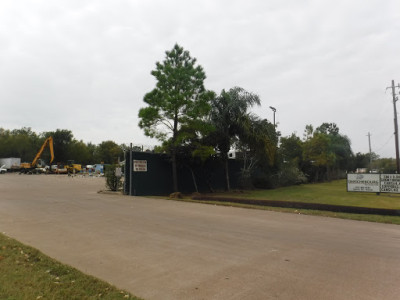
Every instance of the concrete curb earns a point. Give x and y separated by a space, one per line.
304 205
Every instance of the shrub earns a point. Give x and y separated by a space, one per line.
291 175
113 182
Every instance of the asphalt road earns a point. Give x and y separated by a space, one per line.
160 249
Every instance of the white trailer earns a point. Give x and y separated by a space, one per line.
10 162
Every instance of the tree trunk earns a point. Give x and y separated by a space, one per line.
207 177
328 173
226 169
194 179
209 186
174 171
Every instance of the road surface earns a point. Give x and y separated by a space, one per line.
159 249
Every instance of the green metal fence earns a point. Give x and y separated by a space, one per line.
151 174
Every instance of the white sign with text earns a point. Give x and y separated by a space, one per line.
363 183
390 183
140 166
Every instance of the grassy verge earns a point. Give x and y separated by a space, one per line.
26 273
333 193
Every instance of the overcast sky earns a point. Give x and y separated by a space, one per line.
85 65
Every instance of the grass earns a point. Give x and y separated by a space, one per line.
26 273
333 193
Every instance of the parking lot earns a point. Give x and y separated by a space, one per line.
159 249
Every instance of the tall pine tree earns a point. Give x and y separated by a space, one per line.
178 104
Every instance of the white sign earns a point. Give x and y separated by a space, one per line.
139 165
390 183
118 172
363 183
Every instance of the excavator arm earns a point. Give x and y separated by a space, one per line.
48 141
51 149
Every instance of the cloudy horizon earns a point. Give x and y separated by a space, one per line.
85 65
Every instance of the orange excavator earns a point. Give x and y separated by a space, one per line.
30 167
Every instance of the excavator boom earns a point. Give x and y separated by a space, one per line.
48 141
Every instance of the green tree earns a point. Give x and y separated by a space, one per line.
308 132
257 143
385 165
178 102
108 152
341 146
80 152
291 161
326 152
92 150
361 160
290 149
328 128
317 151
6 149
62 139
24 143
364 160
229 116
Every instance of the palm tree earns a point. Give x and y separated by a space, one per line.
229 114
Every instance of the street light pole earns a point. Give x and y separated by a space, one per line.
370 152
274 110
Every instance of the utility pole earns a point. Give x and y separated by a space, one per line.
396 128
130 170
370 152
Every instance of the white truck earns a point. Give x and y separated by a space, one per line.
10 163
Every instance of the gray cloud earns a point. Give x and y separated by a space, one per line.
85 65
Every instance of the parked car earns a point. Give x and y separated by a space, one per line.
3 169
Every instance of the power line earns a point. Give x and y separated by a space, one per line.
390 138
384 107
